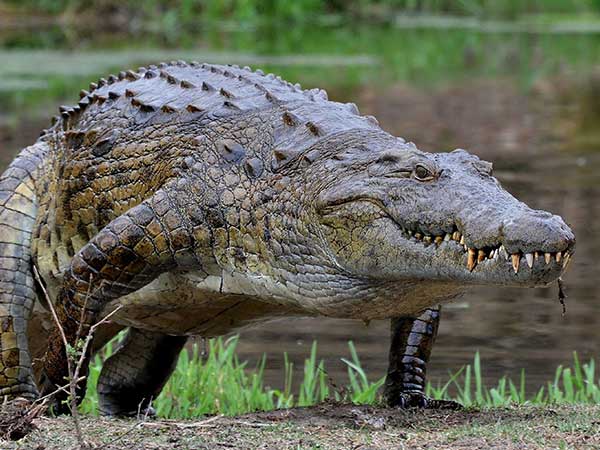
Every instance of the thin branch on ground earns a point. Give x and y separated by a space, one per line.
73 373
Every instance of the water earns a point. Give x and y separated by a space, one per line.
529 104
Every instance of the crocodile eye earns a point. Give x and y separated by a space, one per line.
422 173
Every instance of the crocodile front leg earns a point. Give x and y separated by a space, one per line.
127 254
411 344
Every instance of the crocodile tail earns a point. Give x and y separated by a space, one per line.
18 210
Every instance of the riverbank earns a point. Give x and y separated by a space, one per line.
337 426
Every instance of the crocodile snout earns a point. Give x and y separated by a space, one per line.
537 231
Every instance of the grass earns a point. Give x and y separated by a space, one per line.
219 383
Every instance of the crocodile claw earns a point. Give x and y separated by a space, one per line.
419 400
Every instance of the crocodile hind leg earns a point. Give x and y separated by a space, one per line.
135 374
127 254
18 210
410 349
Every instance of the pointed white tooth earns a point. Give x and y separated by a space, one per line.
447 237
495 255
462 240
529 258
456 236
491 254
438 240
547 257
410 233
558 256
503 252
535 256
566 260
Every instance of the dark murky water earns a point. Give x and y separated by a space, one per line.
545 145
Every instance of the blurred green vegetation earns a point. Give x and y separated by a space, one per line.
331 44
55 63
189 11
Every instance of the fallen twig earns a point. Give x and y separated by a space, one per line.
73 373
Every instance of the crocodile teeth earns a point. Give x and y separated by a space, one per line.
438 240
462 240
566 260
447 237
456 236
418 236
558 256
547 257
427 239
471 260
529 258
503 252
515 261
481 256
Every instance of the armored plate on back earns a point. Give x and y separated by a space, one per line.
205 198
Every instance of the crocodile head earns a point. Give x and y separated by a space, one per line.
391 212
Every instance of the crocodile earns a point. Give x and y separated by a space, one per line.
197 199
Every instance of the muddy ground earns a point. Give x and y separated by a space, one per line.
336 426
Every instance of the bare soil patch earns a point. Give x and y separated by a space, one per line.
335 426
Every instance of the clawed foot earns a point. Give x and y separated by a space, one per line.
420 400
142 413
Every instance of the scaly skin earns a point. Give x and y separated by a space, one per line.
206 198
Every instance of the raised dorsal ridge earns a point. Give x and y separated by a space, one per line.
144 107
353 108
167 109
225 93
281 157
231 150
372 120
187 84
193 108
231 105
253 167
311 156
131 75
271 97
313 128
